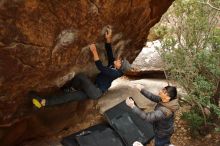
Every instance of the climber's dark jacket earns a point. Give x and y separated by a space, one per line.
107 73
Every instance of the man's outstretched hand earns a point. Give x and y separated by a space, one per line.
136 85
130 102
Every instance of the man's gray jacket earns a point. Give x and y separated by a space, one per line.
162 117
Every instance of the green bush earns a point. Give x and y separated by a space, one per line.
191 52
194 119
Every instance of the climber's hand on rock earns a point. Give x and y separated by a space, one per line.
108 34
92 48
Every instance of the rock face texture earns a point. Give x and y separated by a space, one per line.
43 43
149 62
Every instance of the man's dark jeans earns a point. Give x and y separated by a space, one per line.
164 141
85 88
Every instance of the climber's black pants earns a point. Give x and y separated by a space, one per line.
85 88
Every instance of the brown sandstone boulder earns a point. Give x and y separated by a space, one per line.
43 43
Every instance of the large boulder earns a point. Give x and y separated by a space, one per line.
149 61
43 43
119 91
123 88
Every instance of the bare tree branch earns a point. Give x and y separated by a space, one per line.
210 5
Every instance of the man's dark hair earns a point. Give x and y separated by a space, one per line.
172 92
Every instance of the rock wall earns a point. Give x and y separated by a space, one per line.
43 43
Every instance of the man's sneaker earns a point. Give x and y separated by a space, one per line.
137 143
